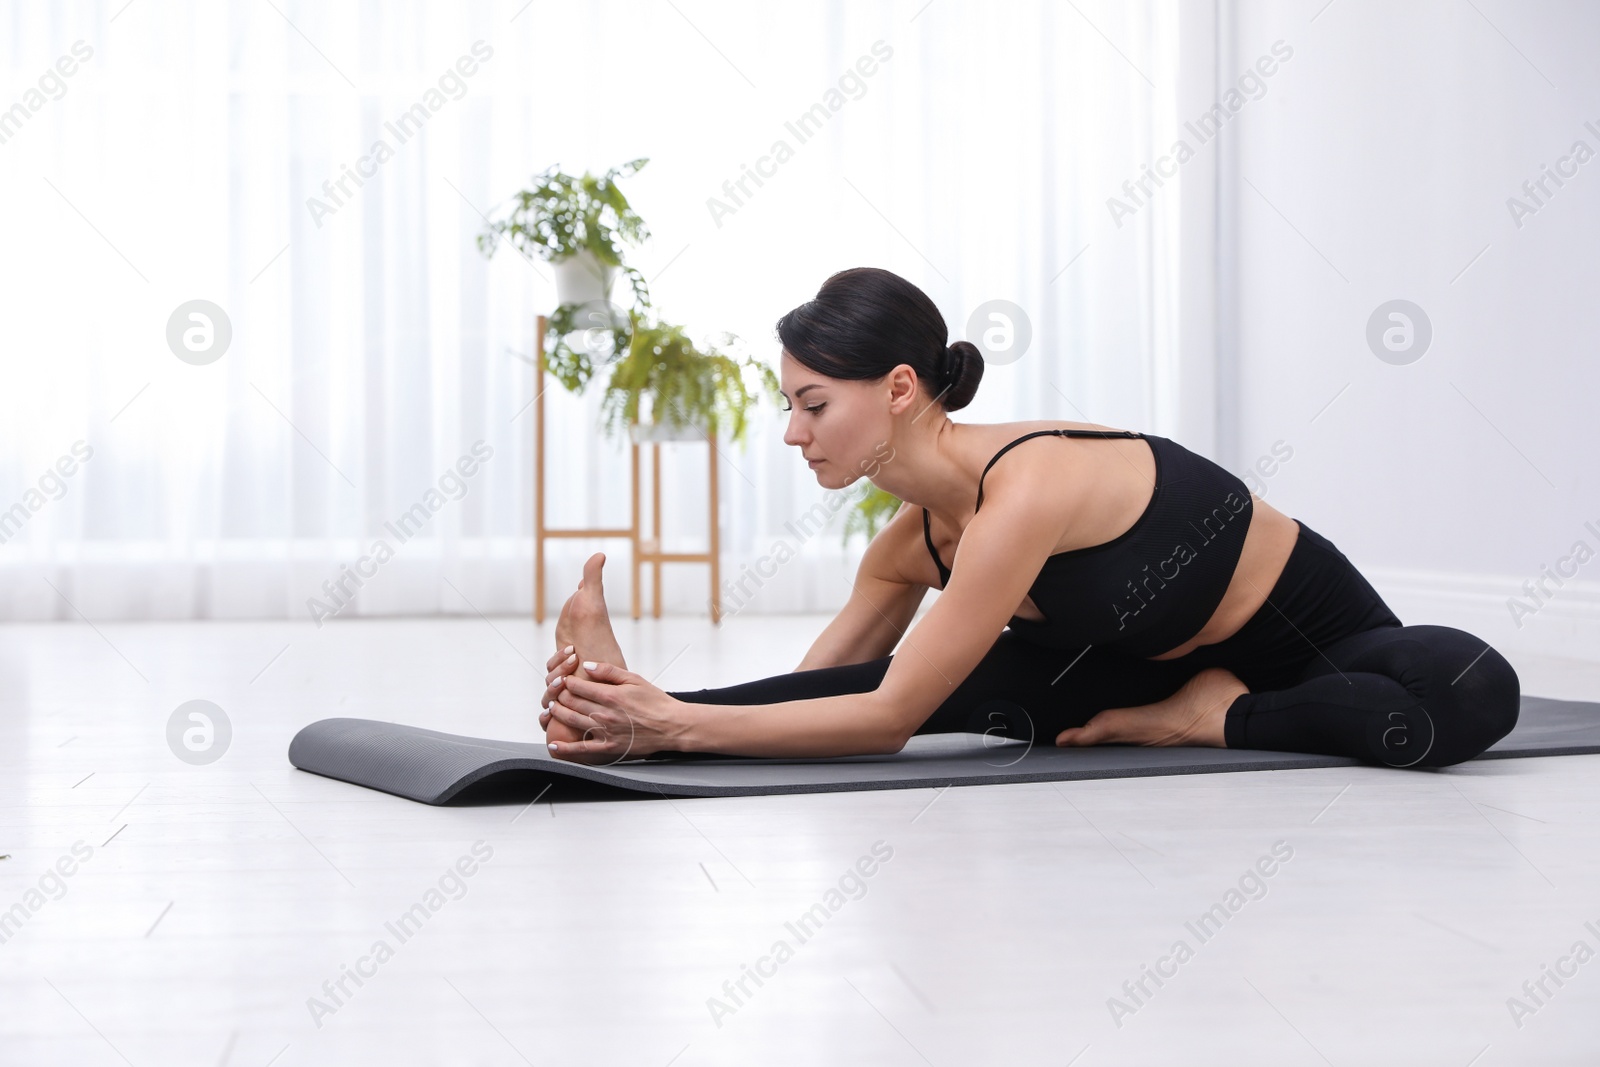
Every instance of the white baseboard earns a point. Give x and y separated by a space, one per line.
1566 625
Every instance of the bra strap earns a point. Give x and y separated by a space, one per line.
927 535
1040 433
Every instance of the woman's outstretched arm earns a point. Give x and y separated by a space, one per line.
999 555
882 602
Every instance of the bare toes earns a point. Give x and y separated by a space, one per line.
1096 731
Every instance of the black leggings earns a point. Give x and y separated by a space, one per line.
1331 670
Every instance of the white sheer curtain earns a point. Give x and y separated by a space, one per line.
372 345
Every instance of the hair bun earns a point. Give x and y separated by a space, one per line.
865 321
963 372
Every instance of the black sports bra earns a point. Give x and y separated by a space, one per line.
1154 586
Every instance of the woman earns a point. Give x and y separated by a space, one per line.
1102 586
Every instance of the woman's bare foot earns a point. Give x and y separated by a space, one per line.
1194 715
584 622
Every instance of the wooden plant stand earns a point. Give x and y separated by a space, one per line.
645 550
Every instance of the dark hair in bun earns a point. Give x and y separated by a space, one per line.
864 322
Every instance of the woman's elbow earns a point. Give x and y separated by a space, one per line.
889 745
895 728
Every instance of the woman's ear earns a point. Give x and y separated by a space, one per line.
903 392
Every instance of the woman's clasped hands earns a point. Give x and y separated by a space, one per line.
611 715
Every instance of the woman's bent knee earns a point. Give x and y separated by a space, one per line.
1475 709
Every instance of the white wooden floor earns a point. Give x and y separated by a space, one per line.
208 905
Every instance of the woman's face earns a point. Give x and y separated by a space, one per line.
834 422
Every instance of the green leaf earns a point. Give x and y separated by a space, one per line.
685 384
873 508
561 214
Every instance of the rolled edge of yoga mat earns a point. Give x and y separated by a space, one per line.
408 761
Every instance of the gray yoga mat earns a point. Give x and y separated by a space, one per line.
433 767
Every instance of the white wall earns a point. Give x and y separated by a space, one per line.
1379 166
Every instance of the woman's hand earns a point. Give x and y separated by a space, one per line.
562 665
616 715
559 666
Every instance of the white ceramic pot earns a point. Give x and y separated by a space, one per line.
660 432
582 279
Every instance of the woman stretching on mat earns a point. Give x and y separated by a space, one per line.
1103 586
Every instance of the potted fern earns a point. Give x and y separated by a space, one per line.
692 390
874 507
578 225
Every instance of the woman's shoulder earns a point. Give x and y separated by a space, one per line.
1081 483
998 439
1004 432
899 550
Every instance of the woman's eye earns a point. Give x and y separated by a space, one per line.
818 407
